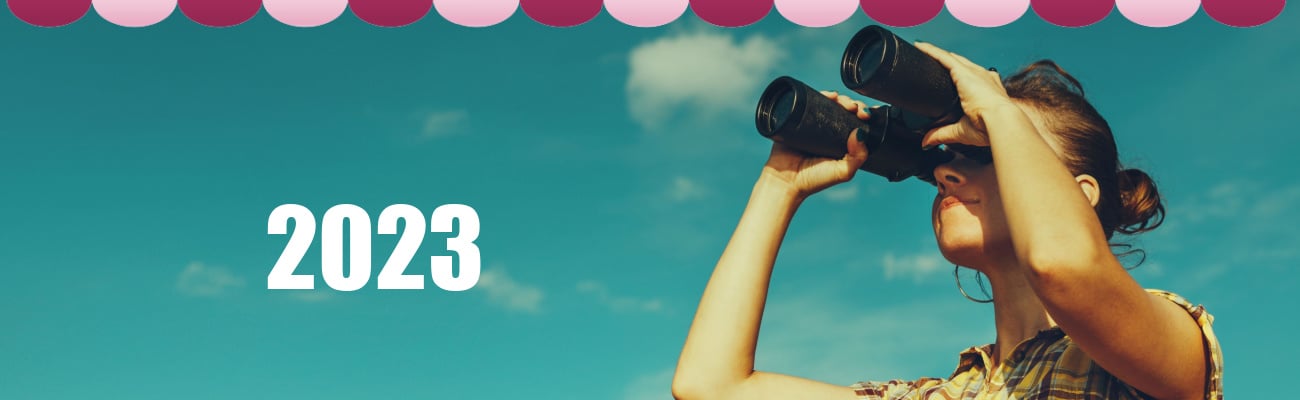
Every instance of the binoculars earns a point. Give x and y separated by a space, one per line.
880 65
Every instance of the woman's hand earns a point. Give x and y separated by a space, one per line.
806 174
981 94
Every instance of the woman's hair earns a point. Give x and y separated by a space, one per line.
1130 203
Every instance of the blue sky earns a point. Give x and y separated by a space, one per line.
608 165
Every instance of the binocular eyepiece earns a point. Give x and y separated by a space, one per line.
880 65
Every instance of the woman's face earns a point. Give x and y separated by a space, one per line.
969 222
967 213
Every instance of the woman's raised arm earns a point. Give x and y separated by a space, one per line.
1146 341
717 360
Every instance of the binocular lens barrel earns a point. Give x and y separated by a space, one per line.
865 56
880 65
793 113
782 108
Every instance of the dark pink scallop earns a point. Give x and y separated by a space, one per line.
219 13
731 13
902 13
49 13
390 13
1072 13
1243 13
561 13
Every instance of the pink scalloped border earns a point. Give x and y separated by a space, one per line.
645 13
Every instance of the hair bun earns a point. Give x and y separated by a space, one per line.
1140 207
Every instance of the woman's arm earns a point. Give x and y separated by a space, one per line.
1148 342
717 360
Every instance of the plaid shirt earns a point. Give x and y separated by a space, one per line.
1049 366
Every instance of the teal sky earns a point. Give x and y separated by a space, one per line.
608 165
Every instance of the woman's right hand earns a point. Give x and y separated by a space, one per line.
806 174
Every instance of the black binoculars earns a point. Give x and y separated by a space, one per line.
880 65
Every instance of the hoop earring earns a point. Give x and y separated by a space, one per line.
979 280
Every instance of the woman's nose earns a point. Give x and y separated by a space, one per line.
946 177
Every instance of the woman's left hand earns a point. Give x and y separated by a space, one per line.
981 94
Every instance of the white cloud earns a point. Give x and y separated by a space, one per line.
442 123
841 194
1242 226
1249 206
1204 276
1151 269
652 386
919 266
831 341
311 296
619 303
684 189
1223 200
704 73
1276 203
504 291
206 281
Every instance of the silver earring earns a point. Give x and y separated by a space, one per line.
979 280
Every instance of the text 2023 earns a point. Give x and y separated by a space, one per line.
392 275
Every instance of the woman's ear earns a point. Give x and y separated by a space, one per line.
1090 188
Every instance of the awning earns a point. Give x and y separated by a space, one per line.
646 13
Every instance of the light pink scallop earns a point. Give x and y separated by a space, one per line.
476 13
646 13
305 13
987 13
134 13
1158 13
817 13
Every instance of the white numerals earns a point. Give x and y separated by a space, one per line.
462 244
355 222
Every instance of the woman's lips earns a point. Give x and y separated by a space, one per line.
952 201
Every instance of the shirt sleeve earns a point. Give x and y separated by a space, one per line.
895 389
1214 363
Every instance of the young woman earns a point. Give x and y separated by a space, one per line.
1036 217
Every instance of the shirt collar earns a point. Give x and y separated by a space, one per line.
980 356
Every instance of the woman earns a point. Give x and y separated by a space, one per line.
1036 217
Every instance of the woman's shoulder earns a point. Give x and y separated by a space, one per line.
1058 359
1214 354
1048 363
1060 364
1197 311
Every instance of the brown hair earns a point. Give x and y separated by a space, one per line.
1130 203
